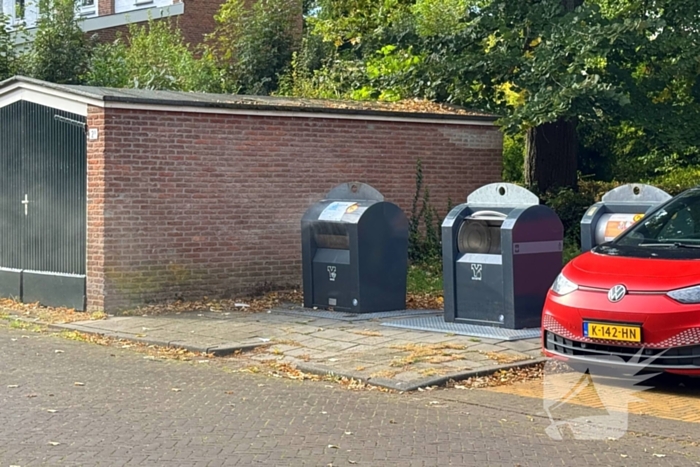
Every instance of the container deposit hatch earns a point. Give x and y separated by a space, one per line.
354 251
502 251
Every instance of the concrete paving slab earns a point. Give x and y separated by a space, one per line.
362 349
487 348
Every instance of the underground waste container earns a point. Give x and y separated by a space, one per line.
618 209
501 252
354 251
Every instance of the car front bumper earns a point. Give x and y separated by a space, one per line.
670 332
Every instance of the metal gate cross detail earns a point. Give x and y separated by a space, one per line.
26 205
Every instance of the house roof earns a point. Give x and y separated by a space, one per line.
225 103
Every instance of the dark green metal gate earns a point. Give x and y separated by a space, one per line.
43 163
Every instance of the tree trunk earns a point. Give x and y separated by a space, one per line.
550 159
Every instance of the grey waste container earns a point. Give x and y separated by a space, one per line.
355 251
501 252
618 209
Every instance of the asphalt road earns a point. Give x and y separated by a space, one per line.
134 411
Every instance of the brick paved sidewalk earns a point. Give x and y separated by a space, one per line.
362 349
130 411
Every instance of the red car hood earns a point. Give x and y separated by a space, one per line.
596 270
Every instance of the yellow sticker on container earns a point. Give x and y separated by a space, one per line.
352 208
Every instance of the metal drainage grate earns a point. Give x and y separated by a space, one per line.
344 316
438 324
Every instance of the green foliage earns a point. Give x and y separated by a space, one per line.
253 46
570 206
677 180
7 50
388 74
155 56
315 72
534 62
442 17
361 27
625 70
425 278
60 51
513 157
571 250
423 240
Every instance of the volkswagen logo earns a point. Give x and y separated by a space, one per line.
617 293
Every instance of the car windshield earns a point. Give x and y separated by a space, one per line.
675 225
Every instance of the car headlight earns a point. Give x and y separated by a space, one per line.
687 295
563 286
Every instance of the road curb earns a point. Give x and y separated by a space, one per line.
407 386
218 350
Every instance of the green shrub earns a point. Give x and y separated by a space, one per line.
513 157
155 56
570 206
424 224
253 42
677 180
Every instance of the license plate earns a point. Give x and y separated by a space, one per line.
612 332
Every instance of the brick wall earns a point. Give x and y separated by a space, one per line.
200 204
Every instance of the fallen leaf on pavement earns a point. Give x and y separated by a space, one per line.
351 462
659 455
51 411
624 455
176 389
348 432
54 443
79 384
58 351
332 446
502 378
12 386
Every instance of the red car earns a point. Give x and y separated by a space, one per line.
634 302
